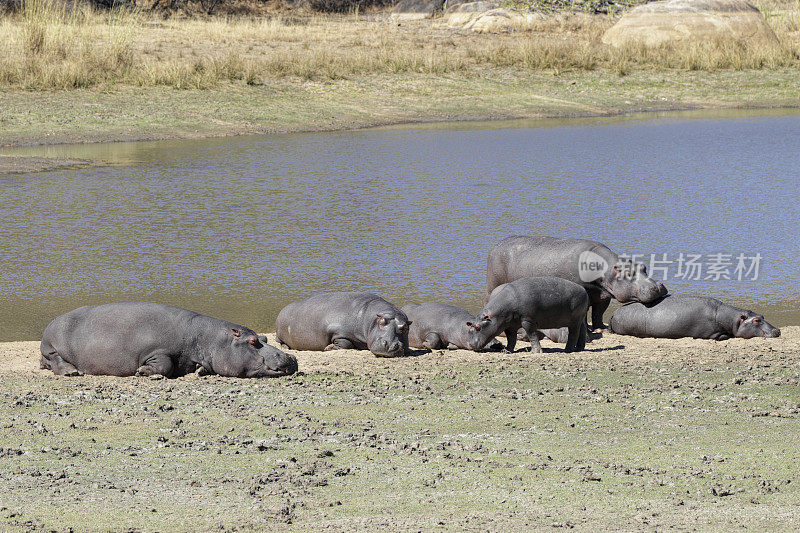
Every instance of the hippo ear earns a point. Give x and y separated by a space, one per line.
236 332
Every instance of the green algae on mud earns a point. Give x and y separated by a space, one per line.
632 434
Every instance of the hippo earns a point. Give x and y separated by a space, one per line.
143 339
533 303
700 317
344 320
436 326
558 335
588 263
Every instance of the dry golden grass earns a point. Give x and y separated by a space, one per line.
48 47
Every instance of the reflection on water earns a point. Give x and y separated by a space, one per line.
239 227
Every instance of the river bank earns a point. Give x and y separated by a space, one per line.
284 106
631 434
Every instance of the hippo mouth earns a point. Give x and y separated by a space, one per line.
394 353
286 370
773 334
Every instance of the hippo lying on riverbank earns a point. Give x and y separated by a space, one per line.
588 263
534 303
699 317
344 320
126 339
436 326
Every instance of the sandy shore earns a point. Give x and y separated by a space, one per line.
22 358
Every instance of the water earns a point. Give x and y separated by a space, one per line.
239 227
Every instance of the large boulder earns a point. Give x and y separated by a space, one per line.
675 21
492 21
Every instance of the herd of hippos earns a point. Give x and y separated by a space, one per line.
535 288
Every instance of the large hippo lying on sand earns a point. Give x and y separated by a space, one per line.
126 339
700 317
342 320
437 326
533 304
588 263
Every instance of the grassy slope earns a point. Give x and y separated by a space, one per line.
284 106
650 436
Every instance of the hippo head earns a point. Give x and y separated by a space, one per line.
247 355
388 336
751 324
481 330
628 281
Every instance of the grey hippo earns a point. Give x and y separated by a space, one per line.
142 339
436 326
557 335
700 317
588 263
534 303
342 320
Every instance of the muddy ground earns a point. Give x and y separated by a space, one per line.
629 435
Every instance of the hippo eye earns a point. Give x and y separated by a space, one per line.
382 321
756 321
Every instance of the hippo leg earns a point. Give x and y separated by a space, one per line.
536 347
598 308
533 336
433 341
576 339
156 363
340 343
511 339
54 362
582 338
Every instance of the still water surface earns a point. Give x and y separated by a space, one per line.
239 227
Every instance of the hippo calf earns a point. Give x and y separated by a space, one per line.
699 317
590 264
344 320
142 339
436 326
558 335
532 304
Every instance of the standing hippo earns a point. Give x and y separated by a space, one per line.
558 335
344 320
142 339
531 304
437 326
588 263
699 317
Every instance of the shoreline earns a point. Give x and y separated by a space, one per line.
34 121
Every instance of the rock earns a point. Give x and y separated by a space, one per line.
457 6
492 21
674 21
416 9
